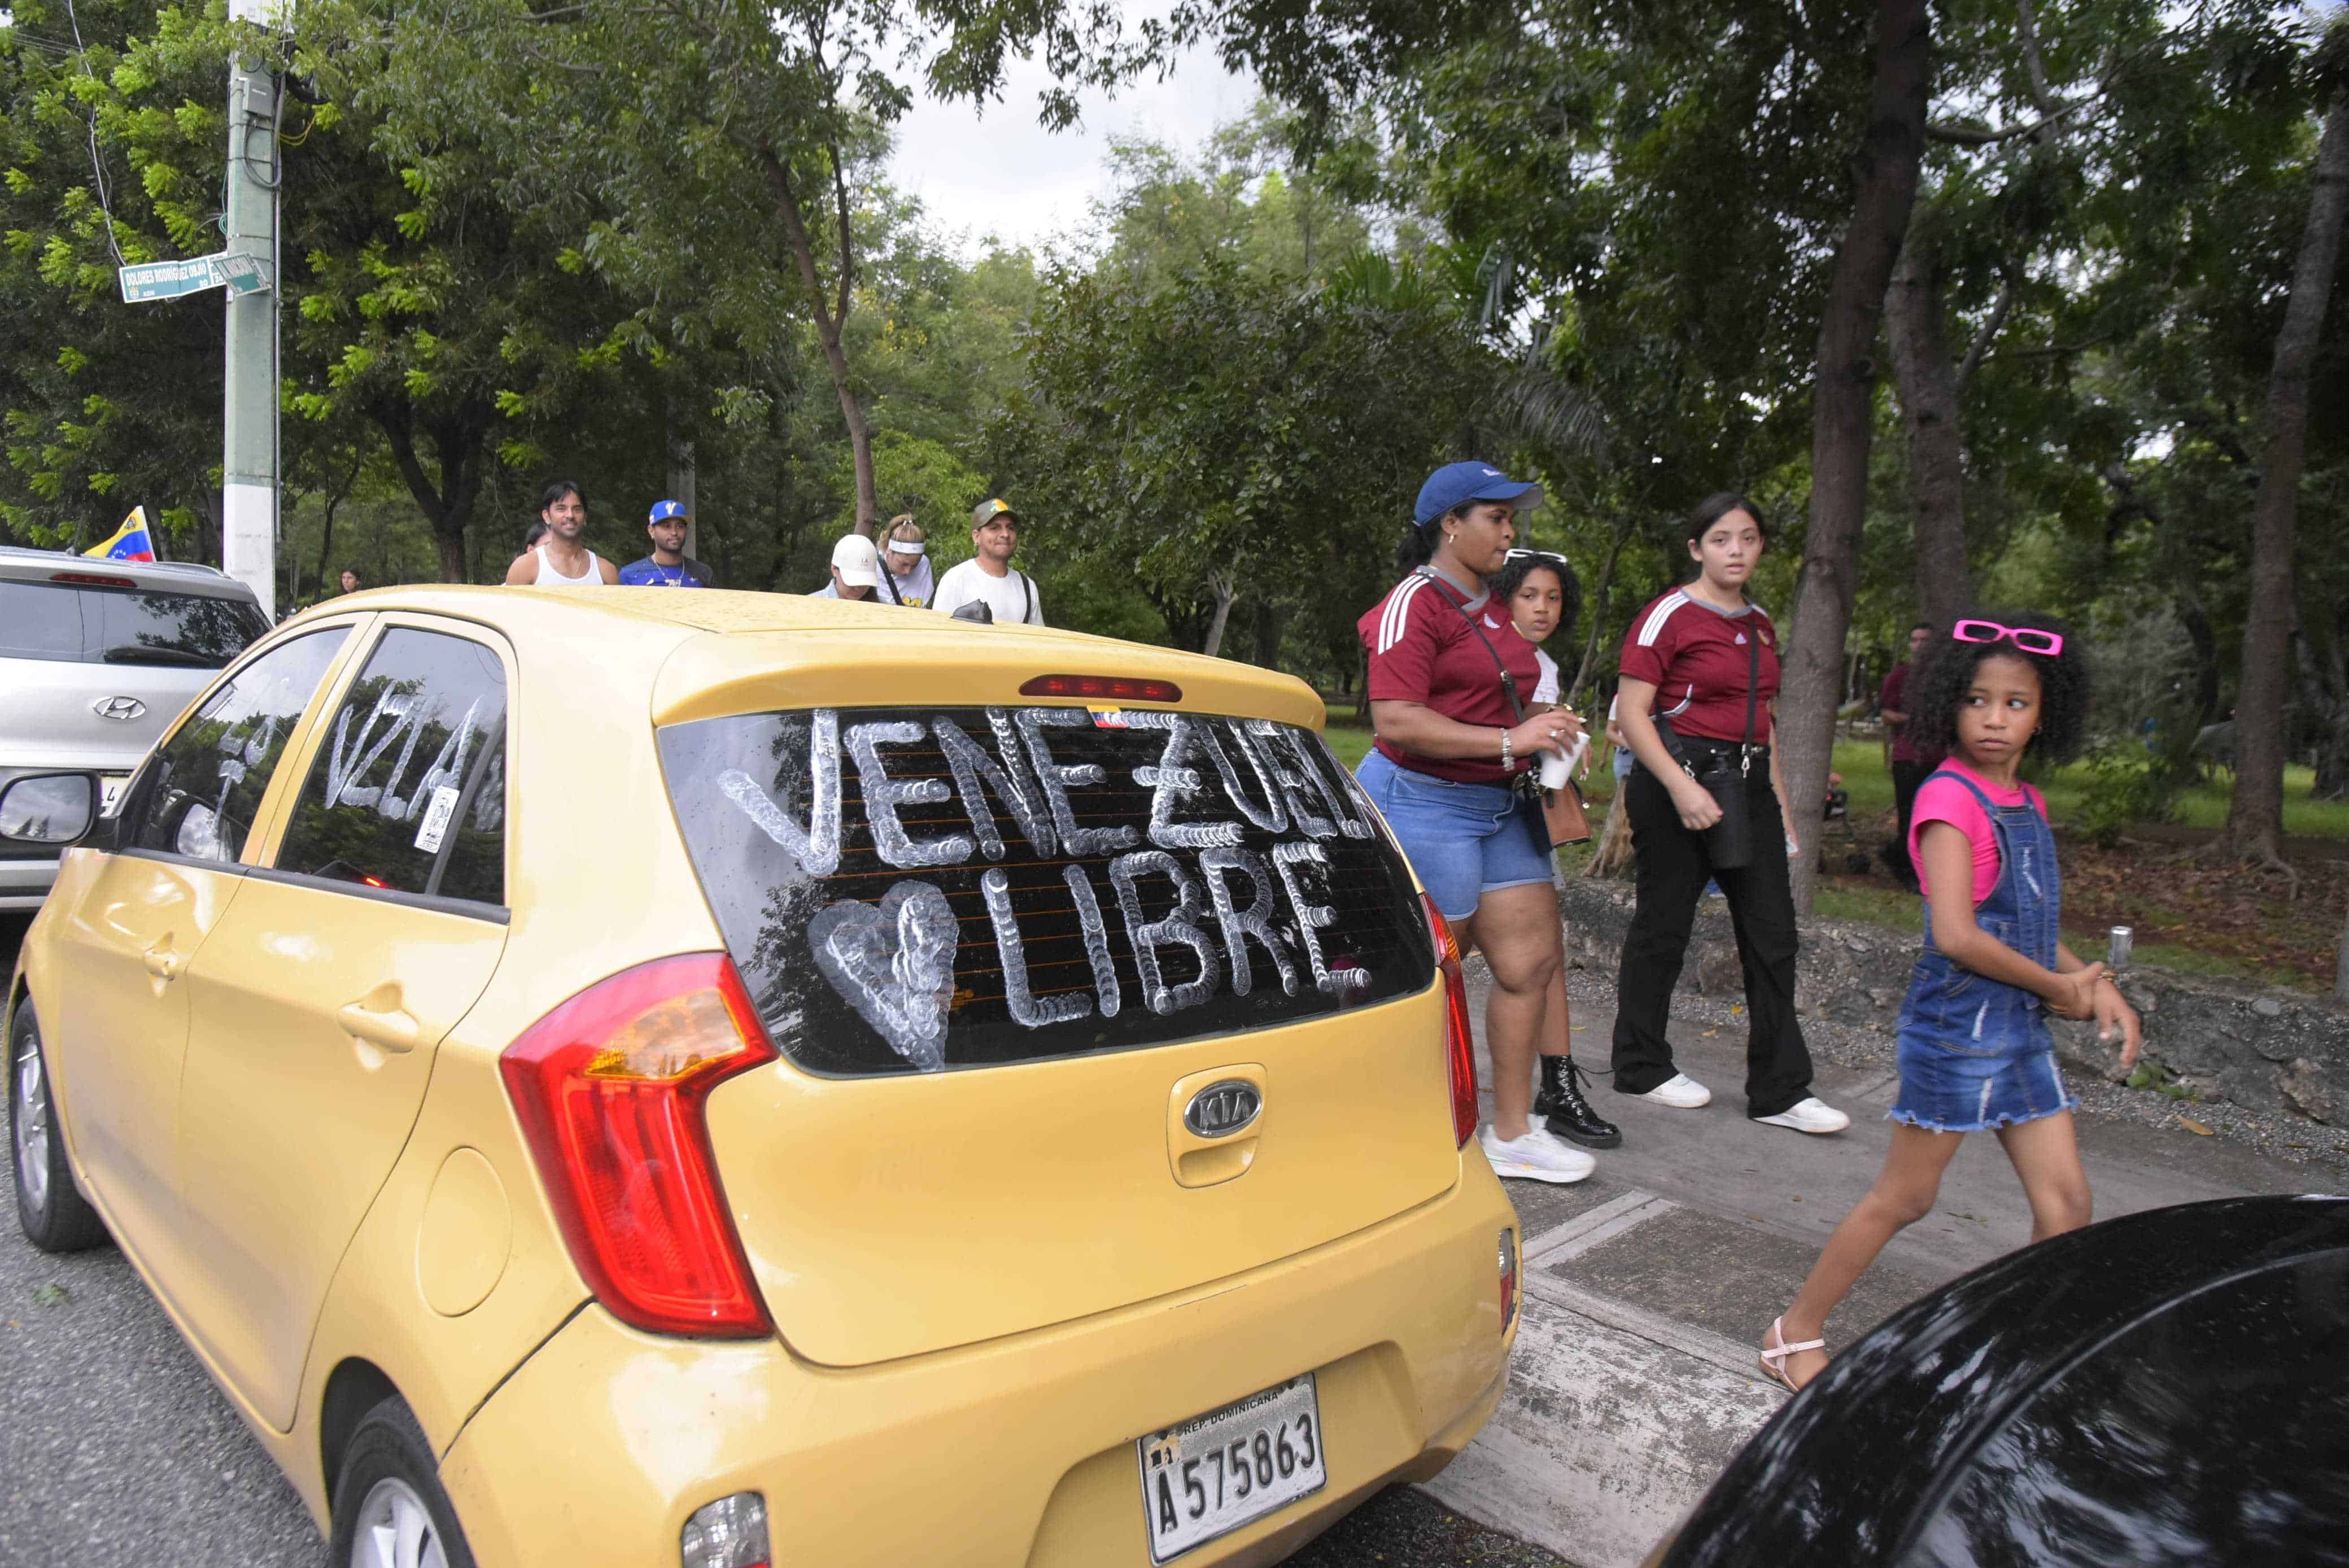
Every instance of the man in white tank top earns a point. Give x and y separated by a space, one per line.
560 558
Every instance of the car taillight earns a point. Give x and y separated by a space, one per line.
1509 1279
1459 1043
609 1088
1102 688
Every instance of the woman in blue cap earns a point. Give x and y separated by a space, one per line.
1449 686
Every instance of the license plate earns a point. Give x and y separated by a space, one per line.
110 788
1216 1473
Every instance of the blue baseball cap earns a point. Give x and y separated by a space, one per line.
1454 483
665 509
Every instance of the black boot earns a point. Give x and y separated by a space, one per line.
1567 1114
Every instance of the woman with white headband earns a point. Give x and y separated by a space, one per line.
910 580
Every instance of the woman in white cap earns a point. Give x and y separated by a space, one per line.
910 580
855 568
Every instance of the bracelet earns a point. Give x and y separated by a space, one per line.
1508 762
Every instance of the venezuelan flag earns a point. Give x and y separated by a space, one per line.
129 543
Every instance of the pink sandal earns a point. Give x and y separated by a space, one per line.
1774 1359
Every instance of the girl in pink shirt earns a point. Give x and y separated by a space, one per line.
1975 1054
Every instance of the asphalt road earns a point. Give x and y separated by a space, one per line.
115 1448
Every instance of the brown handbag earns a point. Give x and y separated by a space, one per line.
1563 814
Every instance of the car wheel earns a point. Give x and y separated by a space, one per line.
56 1217
388 1508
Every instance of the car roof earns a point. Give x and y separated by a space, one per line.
707 652
25 563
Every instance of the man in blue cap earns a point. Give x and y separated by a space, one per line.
667 566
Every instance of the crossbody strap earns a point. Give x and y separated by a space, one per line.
1753 694
1508 681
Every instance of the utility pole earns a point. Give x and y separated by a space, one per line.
249 450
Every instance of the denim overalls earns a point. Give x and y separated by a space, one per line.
1975 1053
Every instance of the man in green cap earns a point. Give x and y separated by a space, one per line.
988 575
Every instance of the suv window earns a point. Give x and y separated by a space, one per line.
199 793
185 629
911 889
39 621
408 793
82 624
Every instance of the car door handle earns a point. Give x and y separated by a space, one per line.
394 1030
163 962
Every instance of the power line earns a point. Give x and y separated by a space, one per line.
96 164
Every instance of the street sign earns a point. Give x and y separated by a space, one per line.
232 270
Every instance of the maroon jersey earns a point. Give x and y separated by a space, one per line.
1697 657
1423 650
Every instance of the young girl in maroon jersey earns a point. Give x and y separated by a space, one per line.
1697 704
1544 598
1975 1054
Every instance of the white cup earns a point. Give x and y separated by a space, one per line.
1557 769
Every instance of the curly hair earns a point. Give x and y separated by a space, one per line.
1522 564
1946 673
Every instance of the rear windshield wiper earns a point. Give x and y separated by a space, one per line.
132 653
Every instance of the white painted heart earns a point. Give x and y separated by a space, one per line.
894 962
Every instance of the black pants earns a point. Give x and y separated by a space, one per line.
1906 778
1673 870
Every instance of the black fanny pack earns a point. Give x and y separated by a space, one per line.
1723 767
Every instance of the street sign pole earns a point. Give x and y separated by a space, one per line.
249 453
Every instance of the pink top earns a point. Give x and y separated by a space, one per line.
1947 800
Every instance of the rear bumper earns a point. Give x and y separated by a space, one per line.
1018 1450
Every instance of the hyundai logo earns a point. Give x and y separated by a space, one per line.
1223 1109
122 707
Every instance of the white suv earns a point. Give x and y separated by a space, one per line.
97 658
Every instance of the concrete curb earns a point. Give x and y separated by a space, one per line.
1614 1424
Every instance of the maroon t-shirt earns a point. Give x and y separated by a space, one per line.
1896 689
1423 650
1696 657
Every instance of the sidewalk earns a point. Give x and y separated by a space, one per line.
1647 1287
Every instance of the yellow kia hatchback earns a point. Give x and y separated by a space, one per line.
711 1079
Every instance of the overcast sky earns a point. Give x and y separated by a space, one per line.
998 172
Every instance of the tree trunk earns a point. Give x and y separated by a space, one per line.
1927 383
458 441
2255 818
1597 608
1212 645
1267 633
1842 415
830 318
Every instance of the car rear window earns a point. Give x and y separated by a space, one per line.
914 889
82 624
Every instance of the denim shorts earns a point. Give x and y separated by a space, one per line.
1945 1088
1463 839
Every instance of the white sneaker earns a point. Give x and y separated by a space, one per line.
1537 1157
1680 1092
1808 1116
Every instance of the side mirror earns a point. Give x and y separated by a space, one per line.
48 808
975 610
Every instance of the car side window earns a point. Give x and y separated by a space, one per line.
207 780
407 791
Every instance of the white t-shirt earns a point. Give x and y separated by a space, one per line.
1546 688
1011 597
914 589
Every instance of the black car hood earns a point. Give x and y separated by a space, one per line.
2170 1387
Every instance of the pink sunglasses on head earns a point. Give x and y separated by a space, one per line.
2029 639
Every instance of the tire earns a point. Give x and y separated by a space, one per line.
56 1217
388 1508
